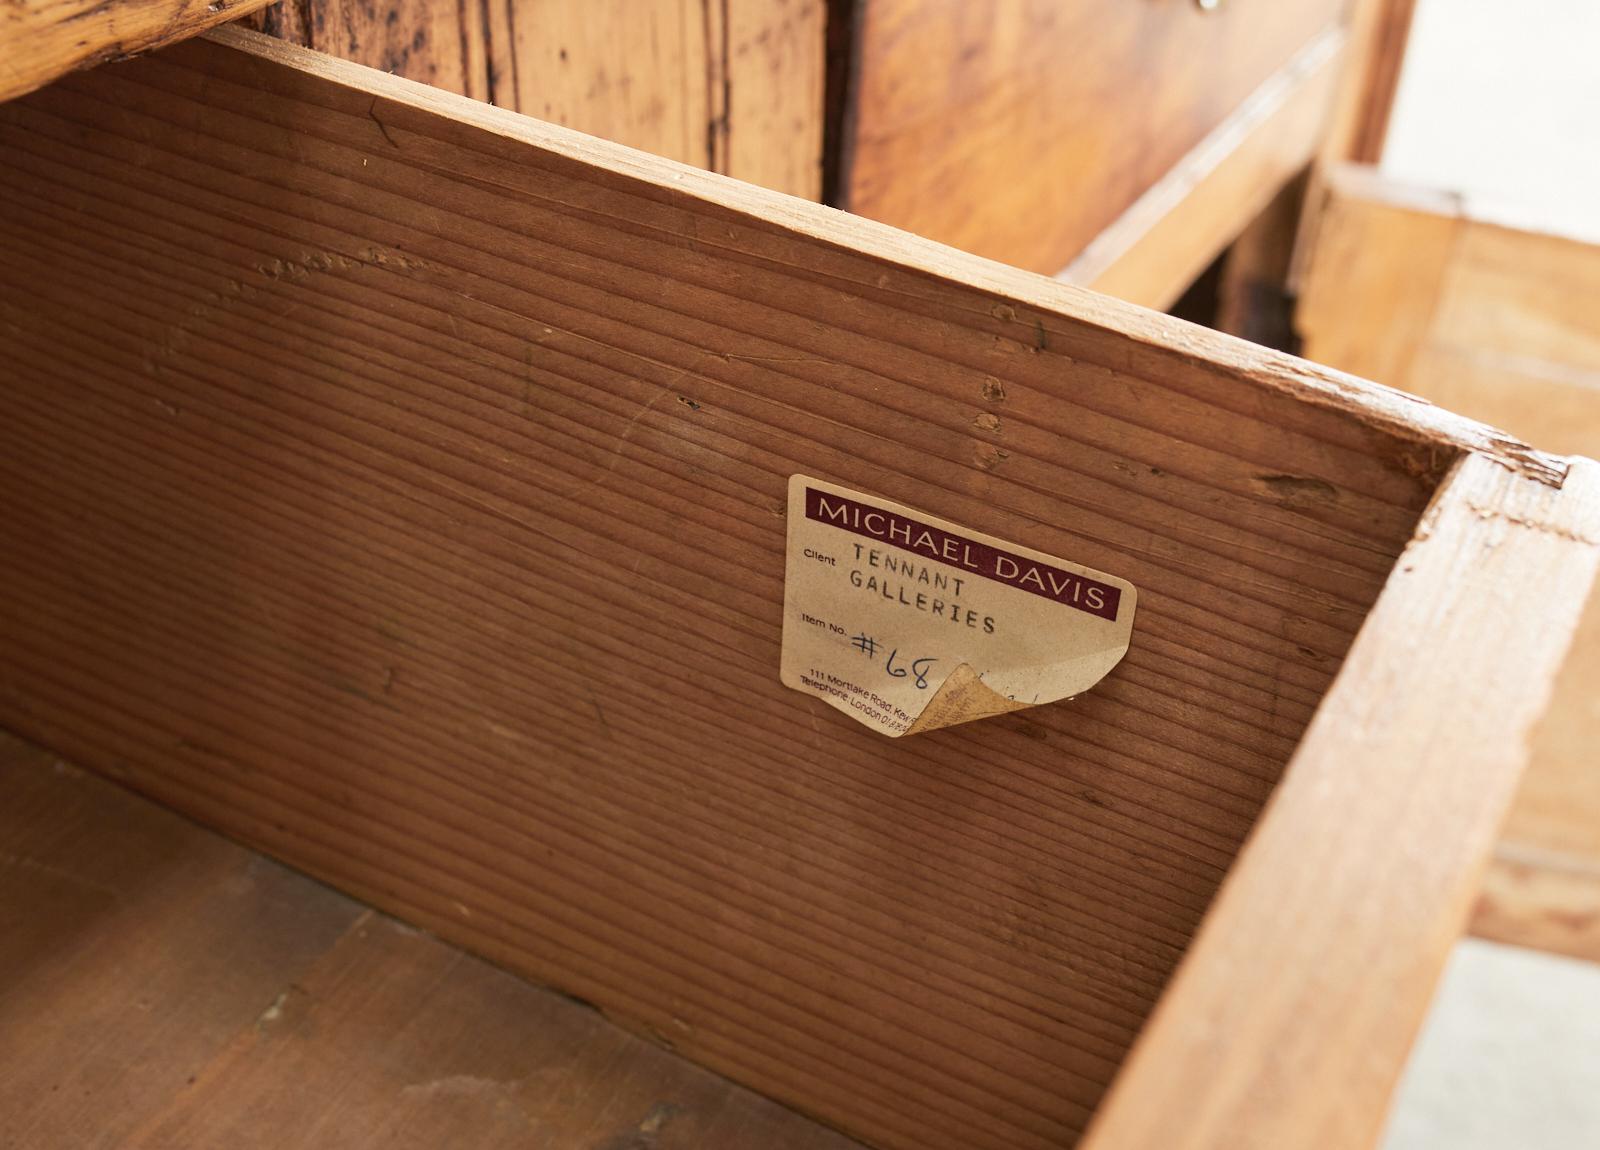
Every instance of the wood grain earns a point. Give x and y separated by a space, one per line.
1558 808
160 987
43 39
399 486
1484 296
445 45
1290 1020
776 93
429 1047
734 86
1379 31
1161 244
1417 288
133 946
1021 130
647 75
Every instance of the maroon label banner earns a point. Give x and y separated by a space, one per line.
916 538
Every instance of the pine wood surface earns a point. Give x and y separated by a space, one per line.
1021 130
43 39
162 987
1418 288
733 86
1289 1022
400 483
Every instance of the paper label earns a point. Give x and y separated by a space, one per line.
908 623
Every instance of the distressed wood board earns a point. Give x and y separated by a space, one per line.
1291 1020
734 86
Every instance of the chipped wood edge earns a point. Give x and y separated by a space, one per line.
36 48
1290 1019
1174 343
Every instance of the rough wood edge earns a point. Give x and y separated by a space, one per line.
1291 1017
98 34
1134 257
1384 410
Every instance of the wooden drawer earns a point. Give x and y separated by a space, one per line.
1023 130
397 484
